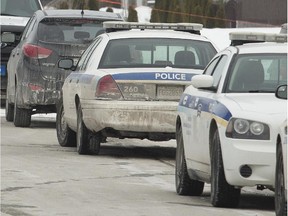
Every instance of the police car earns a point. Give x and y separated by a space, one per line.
128 82
281 161
228 120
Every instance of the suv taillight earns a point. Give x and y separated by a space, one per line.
36 52
108 88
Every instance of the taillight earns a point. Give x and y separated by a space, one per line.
107 88
36 52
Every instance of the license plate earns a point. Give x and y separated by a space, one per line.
169 92
132 90
3 70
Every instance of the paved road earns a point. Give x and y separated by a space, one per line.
129 177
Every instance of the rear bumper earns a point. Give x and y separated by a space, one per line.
134 116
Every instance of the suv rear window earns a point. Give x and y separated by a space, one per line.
22 8
62 30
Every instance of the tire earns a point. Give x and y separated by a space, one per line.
9 111
280 201
22 117
222 194
66 137
184 184
82 133
95 143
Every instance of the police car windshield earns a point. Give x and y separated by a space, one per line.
258 73
157 52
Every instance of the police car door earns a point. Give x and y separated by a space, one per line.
201 119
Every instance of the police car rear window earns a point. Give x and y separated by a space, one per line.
157 52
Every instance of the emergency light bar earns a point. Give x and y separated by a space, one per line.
112 26
240 38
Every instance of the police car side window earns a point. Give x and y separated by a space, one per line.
82 64
210 68
219 70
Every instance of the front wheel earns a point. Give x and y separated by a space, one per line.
222 194
184 184
280 201
66 137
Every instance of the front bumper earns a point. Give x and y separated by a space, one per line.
136 116
249 162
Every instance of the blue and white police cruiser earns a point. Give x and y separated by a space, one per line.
128 83
228 120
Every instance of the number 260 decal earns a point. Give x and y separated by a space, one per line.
131 89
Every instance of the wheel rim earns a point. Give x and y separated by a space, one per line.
62 125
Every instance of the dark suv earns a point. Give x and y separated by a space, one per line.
14 17
34 80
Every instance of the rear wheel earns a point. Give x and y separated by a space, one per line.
184 185
280 201
66 137
222 194
82 133
95 143
9 111
22 117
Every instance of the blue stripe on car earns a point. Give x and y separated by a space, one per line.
173 76
207 105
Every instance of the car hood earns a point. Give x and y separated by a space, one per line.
258 103
13 20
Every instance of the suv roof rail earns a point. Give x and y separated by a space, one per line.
240 38
112 26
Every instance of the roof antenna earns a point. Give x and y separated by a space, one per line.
82 6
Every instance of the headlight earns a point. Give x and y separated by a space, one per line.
241 126
246 129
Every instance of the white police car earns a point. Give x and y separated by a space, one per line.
127 84
281 161
228 120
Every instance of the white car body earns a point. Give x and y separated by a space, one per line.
246 161
148 114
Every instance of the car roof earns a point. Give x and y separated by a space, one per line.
135 33
77 14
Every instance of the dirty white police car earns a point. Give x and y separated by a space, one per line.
127 84
229 117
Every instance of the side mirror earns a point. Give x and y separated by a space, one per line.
8 37
281 92
202 81
66 64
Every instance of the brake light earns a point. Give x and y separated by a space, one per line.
108 88
36 52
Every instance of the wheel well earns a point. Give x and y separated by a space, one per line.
213 128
